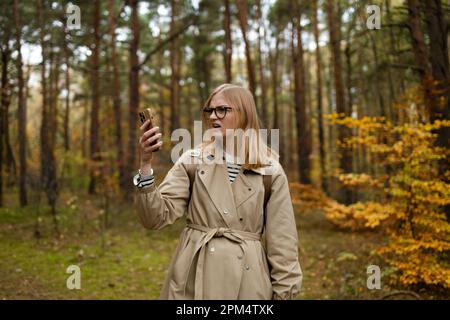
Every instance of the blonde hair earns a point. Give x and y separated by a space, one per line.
243 103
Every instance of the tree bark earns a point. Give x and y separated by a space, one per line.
175 74
242 6
343 132
94 149
5 100
67 85
53 101
117 103
21 111
48 165
303 135
319 95
438 32
261 62
274 62
133 88
420 52
228 52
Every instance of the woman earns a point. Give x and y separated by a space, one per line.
221 254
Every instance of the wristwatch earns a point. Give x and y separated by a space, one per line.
147 176
139 178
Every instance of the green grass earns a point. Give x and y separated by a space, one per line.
125 261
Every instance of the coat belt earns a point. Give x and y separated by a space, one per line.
238 236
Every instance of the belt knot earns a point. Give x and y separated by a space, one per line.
219 232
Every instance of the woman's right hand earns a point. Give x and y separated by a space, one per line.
148 137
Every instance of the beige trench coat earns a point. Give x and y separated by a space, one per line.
220 254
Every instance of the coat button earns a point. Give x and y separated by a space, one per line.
247 268
249 189
225 211
240 257
202 172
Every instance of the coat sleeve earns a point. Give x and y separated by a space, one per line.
282 241
159 206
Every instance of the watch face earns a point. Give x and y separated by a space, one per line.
148 175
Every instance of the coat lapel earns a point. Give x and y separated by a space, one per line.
214 178
243 188
225 197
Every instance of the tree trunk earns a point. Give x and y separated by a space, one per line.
53 103
343 132
84 150
290 126
319 96
133 89
303 134
175 74
392 49
67 85
438 32
242 6
420 52
378 80
261 63
116 99
11 171
5 100
48 165
21 111
274 61
228 52
94 150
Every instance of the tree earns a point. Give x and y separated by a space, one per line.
261 63
117 102
228 48
21 111
133 104
175 72
67 87
94 150
438 55
242 12
47 157
5 52
303 134
345 155
319 86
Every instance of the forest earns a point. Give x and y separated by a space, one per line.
359 90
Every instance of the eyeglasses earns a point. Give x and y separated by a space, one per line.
220 111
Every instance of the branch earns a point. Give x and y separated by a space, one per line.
399 66
398 25
192 19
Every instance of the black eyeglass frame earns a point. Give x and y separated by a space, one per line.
208 111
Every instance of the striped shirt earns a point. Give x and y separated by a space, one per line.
233 170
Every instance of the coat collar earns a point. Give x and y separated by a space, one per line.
207 156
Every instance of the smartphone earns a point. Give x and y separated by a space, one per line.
148 114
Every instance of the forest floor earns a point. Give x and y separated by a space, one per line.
125 261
